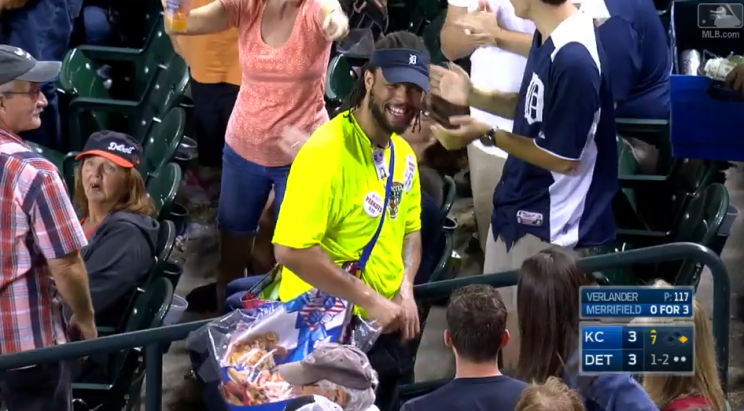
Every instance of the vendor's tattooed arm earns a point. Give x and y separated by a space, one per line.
411 260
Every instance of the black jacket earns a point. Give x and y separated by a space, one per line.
118 258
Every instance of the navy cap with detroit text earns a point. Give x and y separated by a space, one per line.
403 66
122 149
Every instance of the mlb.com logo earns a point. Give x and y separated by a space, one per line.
720 16
120 148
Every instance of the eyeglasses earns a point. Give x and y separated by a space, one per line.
33 94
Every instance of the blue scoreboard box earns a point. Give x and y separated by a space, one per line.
607 302
637 349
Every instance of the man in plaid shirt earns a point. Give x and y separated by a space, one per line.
40 239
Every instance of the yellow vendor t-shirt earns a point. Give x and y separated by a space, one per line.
334 198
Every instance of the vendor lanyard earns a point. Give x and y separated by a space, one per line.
378 156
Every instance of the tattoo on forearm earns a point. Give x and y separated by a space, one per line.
412 252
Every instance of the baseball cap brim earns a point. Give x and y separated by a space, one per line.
107 155
42 72
296 373
404 74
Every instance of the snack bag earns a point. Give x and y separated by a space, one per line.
245 346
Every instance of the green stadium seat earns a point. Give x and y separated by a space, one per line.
167 93
450 192
78 76
700 224
126 369
340 80
162 142
701 220
163 186
136 116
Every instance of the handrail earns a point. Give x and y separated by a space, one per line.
153 339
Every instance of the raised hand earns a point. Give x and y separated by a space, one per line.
467 129
335 25
451 84
482 24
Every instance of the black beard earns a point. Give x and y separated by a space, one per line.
378 113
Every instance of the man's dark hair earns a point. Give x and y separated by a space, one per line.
476 321
554 2
394 40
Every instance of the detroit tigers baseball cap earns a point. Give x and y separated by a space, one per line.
122 149
343 365
403 66
17 64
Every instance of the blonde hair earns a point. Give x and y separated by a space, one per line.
663 389
135 201
554 395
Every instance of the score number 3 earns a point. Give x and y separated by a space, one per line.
632 359
632 337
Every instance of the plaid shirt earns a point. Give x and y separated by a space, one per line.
37 223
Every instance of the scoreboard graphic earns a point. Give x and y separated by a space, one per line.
648 349
666 346
607 302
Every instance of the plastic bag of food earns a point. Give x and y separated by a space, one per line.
244 347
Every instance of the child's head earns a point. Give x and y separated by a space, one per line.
554 395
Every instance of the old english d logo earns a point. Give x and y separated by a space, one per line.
396 194
533 102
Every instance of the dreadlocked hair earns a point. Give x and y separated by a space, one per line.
394 40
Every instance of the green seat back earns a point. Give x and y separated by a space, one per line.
443 264
149 312
450 191
163 186
157 52
164 247
78 78
165 93
151 306
700 224
340 80
162 142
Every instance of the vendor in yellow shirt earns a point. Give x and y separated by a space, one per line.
336 194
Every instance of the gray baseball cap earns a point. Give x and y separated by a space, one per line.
17 64
344 365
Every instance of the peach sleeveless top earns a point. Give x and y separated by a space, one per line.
281 86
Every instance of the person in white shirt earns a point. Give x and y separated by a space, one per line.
492 68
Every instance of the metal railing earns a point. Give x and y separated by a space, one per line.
154 339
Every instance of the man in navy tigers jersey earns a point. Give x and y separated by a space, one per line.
561 174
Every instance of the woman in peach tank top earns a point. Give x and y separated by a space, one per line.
284 47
